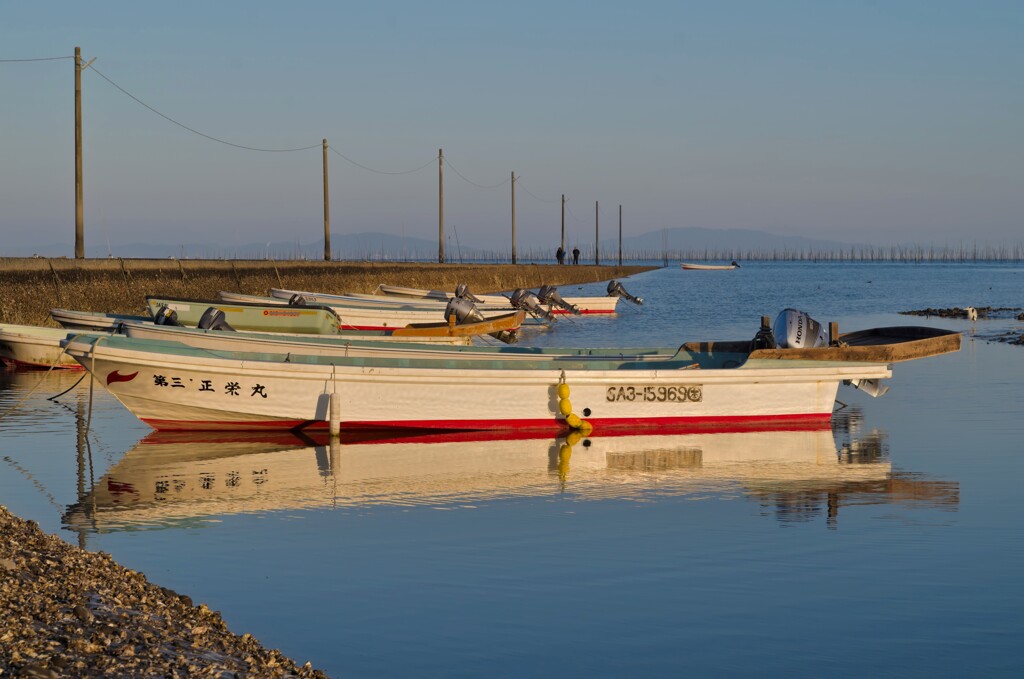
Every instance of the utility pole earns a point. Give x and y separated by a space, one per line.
563 222
620 234
79 208
597 235
513 217
327 211
440 206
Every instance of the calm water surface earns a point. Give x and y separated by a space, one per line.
890 544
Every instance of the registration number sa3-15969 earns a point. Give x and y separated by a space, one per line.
679 394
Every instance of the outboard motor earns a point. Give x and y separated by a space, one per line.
549 295
529 302
462 292
214 319
465 311
296 300
796 330
615 289
166 316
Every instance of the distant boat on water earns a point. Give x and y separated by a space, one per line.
710 267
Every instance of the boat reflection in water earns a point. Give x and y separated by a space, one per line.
171 479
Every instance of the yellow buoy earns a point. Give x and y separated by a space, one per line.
565 407
563 390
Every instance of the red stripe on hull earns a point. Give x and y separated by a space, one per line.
22 365
656 425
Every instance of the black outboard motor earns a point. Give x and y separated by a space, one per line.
296 300
465 311
462 292
214 319
166 316
549 295
530 303
615 289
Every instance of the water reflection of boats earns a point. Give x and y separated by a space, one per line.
174 479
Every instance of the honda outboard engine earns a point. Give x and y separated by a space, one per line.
213 319
615 289
462 292
465 311
549 295
530 303
796 330
166 316
296 300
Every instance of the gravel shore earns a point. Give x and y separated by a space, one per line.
66 612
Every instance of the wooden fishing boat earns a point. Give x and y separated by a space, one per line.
310 317
94 320
173 478
875 345
689 266
312 320
170 386
586 305
347 346
31 346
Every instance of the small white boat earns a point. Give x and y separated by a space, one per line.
586 305
94 320
689 266
348 347
173 387
31 346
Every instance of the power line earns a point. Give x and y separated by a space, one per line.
469 181
11 61
194 131
370 169
519 182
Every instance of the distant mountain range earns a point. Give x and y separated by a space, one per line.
383 246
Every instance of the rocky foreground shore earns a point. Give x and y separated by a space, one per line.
66 612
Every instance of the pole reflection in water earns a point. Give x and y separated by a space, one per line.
177 479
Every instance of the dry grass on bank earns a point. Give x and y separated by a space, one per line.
31 287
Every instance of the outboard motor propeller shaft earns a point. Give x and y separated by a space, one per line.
549 295
615 289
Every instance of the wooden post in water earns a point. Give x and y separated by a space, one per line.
563 222
833 333
327 211
513 217
79 209
620 234
440 206
597 235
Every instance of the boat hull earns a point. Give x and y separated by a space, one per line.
185 390
29 346
708 267
586 305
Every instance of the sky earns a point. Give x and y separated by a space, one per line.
879 122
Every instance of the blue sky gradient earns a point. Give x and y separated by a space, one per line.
880 122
